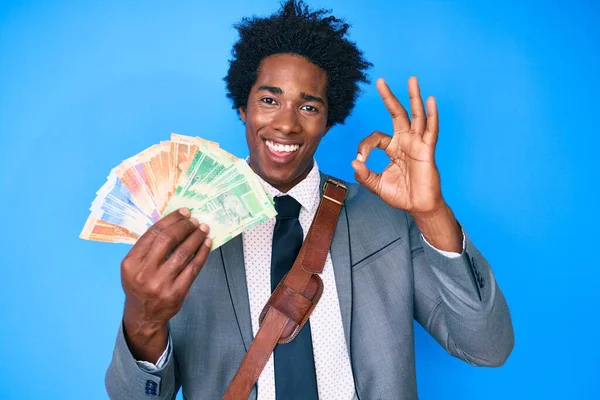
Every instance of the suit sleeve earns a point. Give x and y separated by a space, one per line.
126 380
458 301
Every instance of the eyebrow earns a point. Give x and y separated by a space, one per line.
272 89
310 97
304 96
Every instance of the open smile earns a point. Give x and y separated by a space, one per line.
281 147
281 152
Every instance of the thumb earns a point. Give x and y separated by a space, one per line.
365 176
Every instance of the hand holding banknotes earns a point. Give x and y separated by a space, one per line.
163 201
157 275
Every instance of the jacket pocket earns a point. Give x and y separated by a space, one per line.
377 254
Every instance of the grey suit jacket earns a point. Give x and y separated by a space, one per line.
386 277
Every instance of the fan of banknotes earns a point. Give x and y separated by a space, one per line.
218 188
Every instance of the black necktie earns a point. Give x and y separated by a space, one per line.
295 377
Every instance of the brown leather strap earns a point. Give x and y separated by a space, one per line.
294 299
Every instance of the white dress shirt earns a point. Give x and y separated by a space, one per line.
332 364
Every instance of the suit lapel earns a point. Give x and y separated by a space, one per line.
232 254
340 257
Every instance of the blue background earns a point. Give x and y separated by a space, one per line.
84 85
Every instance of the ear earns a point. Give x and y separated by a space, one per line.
327 128
242 111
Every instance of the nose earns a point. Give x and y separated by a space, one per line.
286 121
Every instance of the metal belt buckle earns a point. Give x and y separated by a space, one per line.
336 183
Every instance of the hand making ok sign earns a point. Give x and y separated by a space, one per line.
411 181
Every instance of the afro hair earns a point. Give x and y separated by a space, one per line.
295 29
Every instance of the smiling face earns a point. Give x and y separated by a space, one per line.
285 117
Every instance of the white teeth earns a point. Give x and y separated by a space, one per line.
286 148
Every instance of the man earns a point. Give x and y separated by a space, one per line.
398 253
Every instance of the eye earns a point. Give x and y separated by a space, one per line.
268 100
309 108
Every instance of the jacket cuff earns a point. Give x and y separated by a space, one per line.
450 254
468 275
138 381
160 364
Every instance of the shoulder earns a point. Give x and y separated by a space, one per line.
366 209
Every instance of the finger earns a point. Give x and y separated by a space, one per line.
399 115
186 278
183 253
170 238
375 139
365 176
416 106
433 126
144 243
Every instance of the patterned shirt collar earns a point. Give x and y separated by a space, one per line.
306 192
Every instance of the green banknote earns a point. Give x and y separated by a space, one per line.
224 194
233 209
196 184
